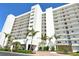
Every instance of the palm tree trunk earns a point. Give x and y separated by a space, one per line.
55 44
31 44
26 43
4 42
43 46
49 45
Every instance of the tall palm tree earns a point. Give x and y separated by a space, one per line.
56 37
49 38
43 40
6 36
9 40
16 46
33 33
26 34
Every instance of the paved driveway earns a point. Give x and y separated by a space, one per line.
48 53
5 53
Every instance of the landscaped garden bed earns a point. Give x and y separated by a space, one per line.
18 51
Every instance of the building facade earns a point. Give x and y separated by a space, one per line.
62 21
23 22
66 23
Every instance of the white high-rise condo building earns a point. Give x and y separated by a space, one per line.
66 23
36 19
62 21
29 20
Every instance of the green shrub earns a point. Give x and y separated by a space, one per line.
52 48
46 48
77 52
40 48
24 51
64 49
28 51
4 49
1 49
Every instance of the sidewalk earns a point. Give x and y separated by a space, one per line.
48 53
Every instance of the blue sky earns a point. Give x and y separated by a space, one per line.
19 8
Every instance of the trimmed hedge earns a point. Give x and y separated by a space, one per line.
46 48
4 49
63 49
24 51
19 51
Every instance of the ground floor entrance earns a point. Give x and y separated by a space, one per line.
31 47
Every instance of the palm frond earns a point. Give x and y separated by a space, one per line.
43 37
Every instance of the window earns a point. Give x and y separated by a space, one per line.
59 42
72 31
64 32
68 37
45 30
68 18
78 21
73 36
64 19
67 32
45 26
55 17
66 27
65 41
76 16
65 23
31 22
63 15
56 28
75 12
69 41
62 12
70 26
67 14
75 41
30 26
56 21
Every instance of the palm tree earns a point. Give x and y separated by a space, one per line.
26 34
33 33
49 38
6 36
56 37
16 46
9 40
43 40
